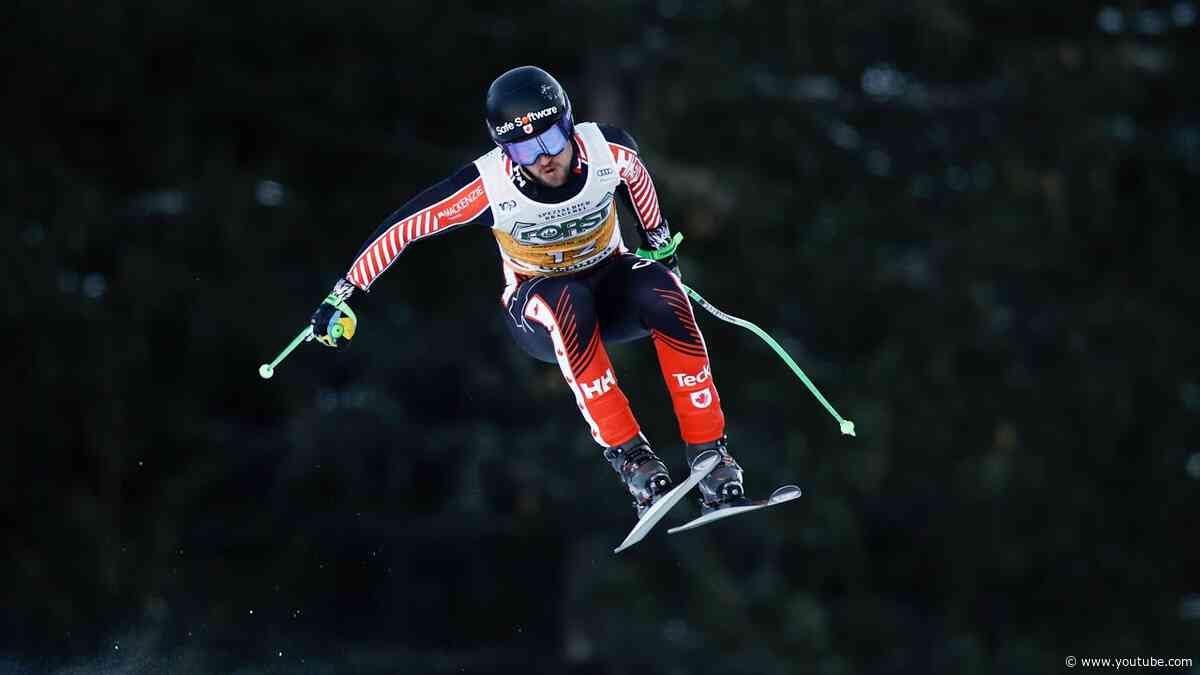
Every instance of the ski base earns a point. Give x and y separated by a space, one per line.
701 466
782 494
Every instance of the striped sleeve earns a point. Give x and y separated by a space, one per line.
637 188
643 198
455 202
641 188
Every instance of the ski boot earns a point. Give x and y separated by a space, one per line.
641 470
722 487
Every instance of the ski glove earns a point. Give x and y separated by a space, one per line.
334 322
665 254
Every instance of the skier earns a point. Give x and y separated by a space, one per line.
548 193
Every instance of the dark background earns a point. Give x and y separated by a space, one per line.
972 223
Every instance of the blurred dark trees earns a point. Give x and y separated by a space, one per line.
973 224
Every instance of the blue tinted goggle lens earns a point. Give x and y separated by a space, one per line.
550 142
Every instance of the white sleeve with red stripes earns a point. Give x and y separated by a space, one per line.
459 208
641 187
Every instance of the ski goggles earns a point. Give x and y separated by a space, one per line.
550 142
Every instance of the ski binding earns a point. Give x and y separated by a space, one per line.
701 466
782 494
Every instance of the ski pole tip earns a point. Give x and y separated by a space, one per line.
265 371
848 428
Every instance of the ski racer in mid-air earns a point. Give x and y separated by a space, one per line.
548 193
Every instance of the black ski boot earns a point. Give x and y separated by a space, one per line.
723 485
641 470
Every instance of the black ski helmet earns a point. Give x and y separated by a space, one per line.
524 102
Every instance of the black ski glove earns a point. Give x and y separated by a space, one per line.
334 322
665 254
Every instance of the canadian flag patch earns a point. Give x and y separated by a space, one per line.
702 398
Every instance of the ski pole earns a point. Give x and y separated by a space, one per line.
846 425
266 370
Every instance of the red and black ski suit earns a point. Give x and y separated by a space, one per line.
566 319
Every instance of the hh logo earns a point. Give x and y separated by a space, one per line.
600 385
702 398
684 380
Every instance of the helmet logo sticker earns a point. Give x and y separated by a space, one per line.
526 121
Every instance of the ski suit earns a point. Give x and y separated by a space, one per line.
571 285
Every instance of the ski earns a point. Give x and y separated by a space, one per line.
782 494
701 466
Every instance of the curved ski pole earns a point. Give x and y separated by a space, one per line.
266 370
846 425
